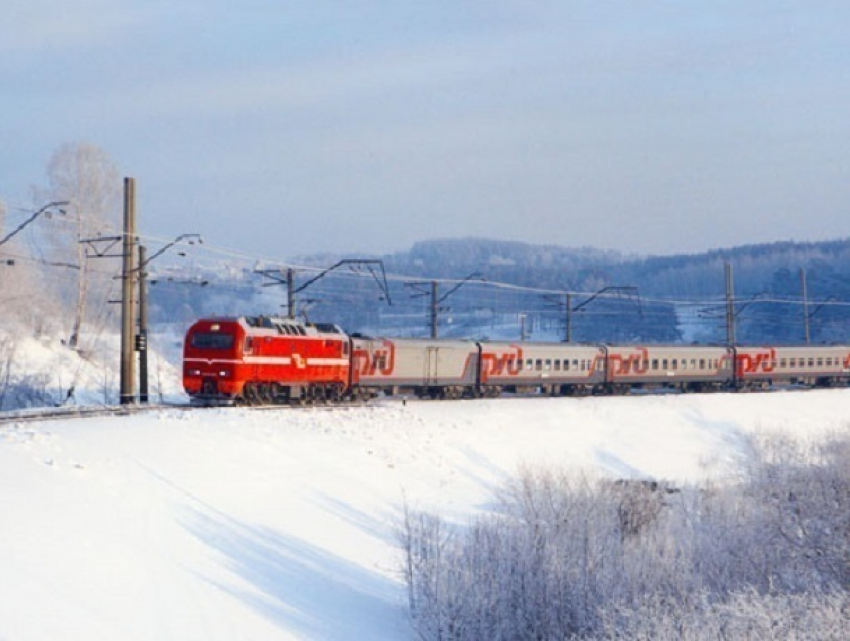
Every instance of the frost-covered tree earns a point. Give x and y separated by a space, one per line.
86 176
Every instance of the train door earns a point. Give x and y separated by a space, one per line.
432 357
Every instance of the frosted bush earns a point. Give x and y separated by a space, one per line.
570 556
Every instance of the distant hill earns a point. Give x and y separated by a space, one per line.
634 307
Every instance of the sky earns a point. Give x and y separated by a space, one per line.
282 128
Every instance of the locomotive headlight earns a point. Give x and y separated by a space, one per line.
194 372
223 373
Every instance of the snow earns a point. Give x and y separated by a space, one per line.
48 369
240 524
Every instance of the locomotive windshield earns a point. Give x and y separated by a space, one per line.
212 341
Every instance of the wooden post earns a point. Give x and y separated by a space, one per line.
128 298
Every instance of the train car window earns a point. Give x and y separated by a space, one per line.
539 364
820 362
583 365
212 341
811 362
557 365
792 362
664 364
566 365
783 362
529 364
548 364
702 363
655 363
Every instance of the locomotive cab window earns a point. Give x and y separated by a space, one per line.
212 340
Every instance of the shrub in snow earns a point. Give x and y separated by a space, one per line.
743 616
573 556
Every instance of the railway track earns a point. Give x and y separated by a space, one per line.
32 415
62 413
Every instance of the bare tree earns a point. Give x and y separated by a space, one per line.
87 177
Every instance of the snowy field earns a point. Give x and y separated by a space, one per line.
264 525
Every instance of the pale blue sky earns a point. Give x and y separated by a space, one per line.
285 128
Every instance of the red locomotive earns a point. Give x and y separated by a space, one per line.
260 360
264 360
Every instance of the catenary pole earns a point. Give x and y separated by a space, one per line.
805 304
730 306
128 299
142 338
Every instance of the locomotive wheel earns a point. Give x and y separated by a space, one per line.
264 394
249 394
335 393
277 392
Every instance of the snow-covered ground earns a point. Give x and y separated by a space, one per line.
238 524
44 371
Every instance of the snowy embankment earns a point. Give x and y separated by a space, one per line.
233 524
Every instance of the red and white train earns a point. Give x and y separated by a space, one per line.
264 360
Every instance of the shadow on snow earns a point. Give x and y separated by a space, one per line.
298 586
